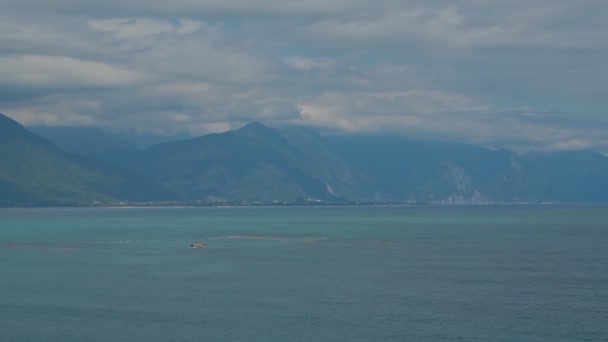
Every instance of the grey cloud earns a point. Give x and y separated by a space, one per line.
193 7
472 24
519 74
307 64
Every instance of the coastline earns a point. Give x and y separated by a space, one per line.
160 205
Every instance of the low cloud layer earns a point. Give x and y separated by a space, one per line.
525 75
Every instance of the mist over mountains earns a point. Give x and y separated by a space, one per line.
258 164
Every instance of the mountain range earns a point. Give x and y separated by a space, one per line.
258 164
34 172
254 163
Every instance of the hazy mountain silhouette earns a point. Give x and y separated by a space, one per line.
33 171
440 171
83 140
261 164
254 163
572 176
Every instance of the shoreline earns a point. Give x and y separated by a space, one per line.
272 205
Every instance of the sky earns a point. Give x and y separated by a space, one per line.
524 75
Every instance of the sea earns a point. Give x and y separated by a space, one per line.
325 273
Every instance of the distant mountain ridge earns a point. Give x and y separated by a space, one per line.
572 176
33 171
264 165
83 140
90 140
12 131
254 163
440 172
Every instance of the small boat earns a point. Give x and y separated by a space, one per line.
198 245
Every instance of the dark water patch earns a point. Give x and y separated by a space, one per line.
38 246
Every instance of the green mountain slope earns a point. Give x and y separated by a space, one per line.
34 172
254 163
261 164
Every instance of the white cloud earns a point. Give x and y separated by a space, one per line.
133 28
62 71
307 64
384 111
181 88
207 128
188 26
53 111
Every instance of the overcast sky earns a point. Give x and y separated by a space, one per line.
518 74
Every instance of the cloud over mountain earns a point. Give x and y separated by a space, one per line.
520 74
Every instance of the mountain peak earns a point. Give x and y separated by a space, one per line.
256 128
11 130
8 123
255 125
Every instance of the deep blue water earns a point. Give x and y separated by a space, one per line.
492 273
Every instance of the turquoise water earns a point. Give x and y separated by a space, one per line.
513 273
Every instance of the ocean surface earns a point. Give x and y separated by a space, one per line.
378 273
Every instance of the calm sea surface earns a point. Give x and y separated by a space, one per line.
512 273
